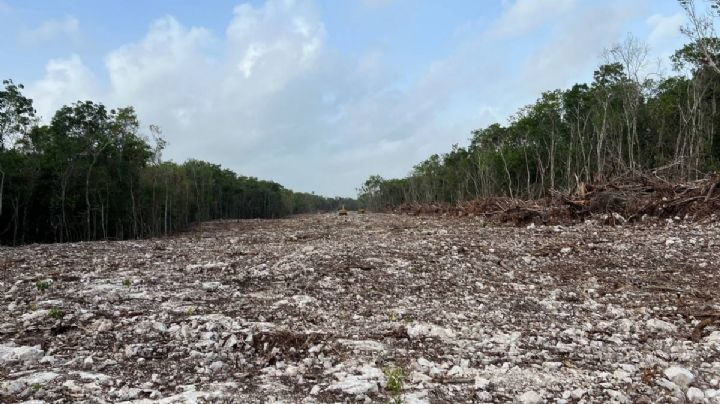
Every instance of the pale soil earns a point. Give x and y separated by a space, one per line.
316 308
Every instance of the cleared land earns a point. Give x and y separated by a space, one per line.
368 307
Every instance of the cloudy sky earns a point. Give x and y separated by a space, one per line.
317 94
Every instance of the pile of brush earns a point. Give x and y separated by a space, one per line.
621 200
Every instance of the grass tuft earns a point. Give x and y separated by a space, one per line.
42 285
56 313
394 383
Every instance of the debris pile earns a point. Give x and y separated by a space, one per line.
623 200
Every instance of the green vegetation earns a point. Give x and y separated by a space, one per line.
42 285
624 122
126 282
394 382
92 173
56 313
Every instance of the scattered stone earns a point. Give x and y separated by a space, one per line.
364 345
418 397
429 330
26 355
274 310
35 381
618 397
680 376
660 326
695 395
530 397
354 385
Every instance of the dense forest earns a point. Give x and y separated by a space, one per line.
92 174
626 121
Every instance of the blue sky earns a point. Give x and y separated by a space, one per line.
318 94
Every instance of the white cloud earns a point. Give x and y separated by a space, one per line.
574 50
229 105
664 28
66 81
524 16
50 30
273 44
167 69
269 98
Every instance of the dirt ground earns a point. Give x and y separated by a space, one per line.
369 308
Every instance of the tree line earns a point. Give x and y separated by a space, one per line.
623 122
92 174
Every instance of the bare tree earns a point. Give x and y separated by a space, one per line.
701 29
632 54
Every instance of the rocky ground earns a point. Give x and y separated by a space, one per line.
373 308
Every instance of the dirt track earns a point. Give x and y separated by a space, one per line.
322 308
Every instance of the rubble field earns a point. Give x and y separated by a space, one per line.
369 308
